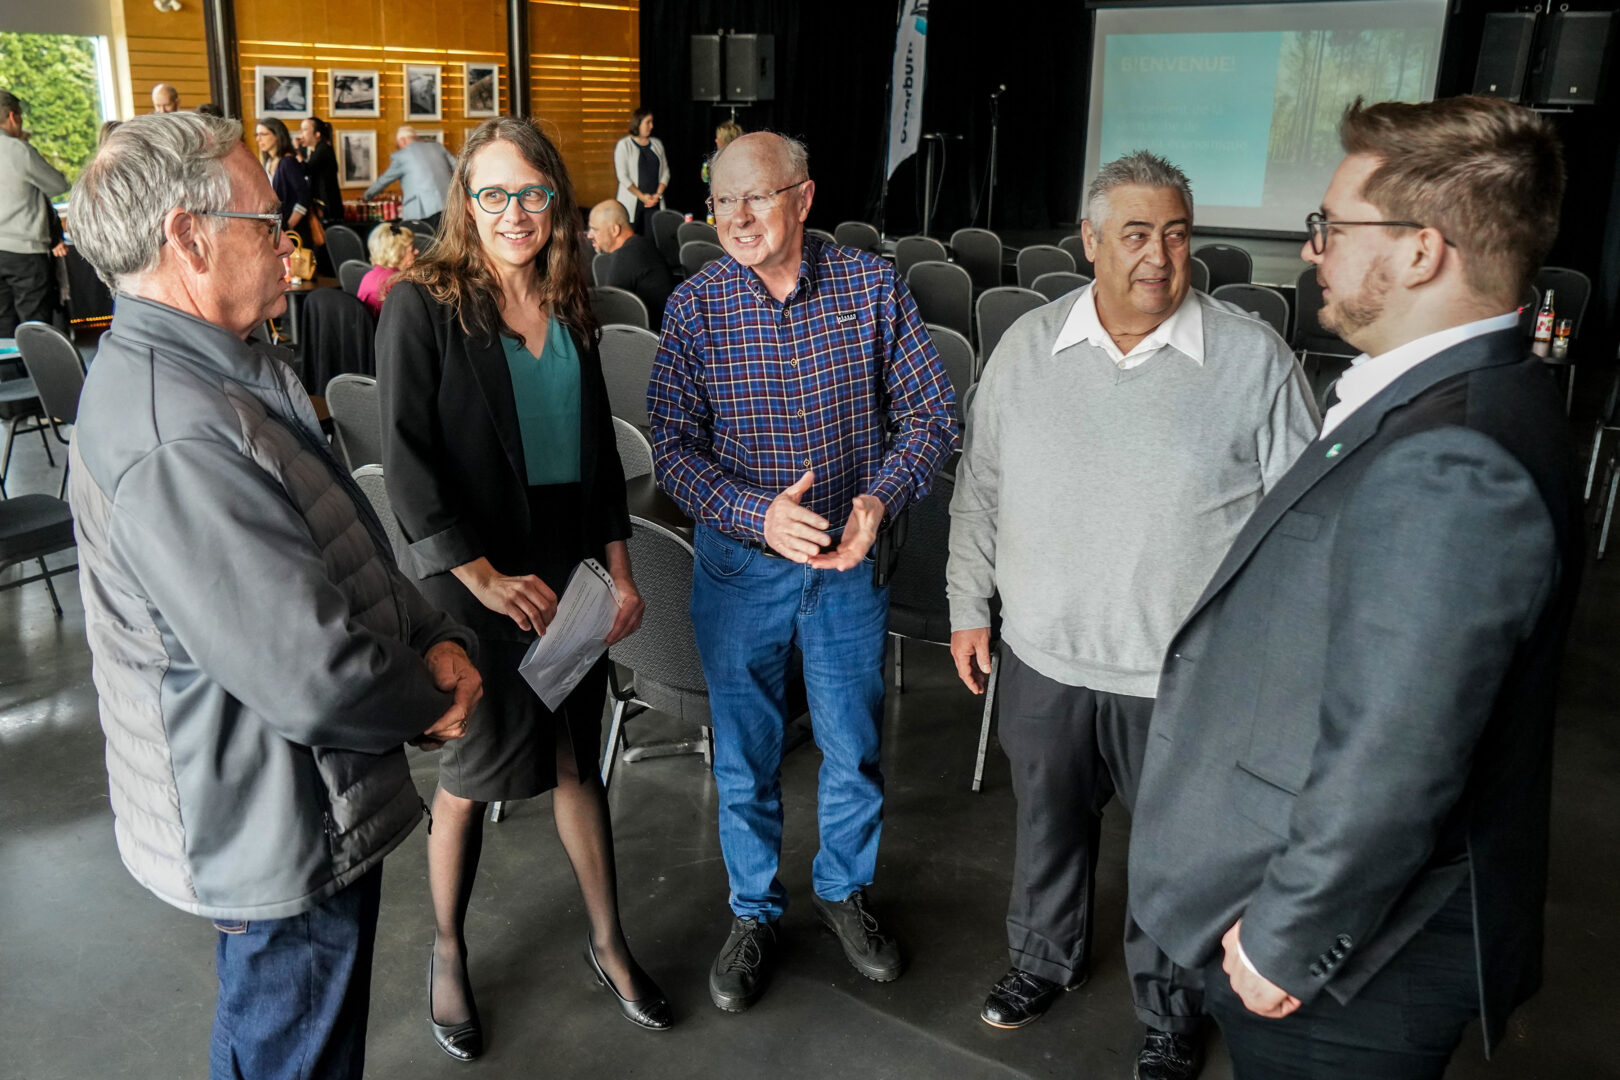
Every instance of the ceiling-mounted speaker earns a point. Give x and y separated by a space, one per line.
1504 55
1571 72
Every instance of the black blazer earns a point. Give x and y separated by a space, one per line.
321 173
453 454
1356 718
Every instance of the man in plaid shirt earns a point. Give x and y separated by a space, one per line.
796 405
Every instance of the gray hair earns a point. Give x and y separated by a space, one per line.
147 167
1142 169
794 152
9 103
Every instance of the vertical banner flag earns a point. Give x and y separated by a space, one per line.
906 84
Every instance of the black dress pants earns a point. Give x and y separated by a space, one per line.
1404 1024
1071 749
26 287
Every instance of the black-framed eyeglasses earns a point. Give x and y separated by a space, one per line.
533 199
726 205
271 218
1317 224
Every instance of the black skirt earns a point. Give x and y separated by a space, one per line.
510 749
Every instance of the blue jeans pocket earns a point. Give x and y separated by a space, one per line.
722 556
230 926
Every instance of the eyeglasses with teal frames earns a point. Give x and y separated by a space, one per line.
533 199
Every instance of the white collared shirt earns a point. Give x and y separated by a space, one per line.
1369 375
1182 331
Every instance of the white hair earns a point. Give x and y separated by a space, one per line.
1140 169
147 167
405 131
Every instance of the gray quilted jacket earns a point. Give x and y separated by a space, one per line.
256 652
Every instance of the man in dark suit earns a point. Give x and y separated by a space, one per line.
1343 807
629 261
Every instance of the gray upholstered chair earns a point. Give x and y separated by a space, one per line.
1228 265
944 295
627 362
635 449
911 250
978 251
1059 283
618 307
999 308
356 411
1259 300
1038 259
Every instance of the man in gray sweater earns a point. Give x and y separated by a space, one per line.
27 184
1119 438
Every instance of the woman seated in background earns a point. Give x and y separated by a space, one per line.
503 470
392 249
286 175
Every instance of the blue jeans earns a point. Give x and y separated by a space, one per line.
294 993
749 610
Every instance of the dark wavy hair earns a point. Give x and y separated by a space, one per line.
637 117
455 270
284 143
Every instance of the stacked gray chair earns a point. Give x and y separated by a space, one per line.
344 244
956 353
911 250
689 231
662 656
627 362
1228 265
999 308
857 234
978 251
1259 300
356 411
662 229
1076 247
944 295
826 236
696 254
635 450
1200 273
56 367
1038 259
618 307
1059 283
350 274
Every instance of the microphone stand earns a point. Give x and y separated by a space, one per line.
995 128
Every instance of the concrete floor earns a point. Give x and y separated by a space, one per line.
100 980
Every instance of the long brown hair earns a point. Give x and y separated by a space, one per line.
455 271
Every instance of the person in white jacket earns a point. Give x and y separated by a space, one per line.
642 167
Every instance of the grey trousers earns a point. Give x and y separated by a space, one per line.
1072 748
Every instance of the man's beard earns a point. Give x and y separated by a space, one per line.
1353 313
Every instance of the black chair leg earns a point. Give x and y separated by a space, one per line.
45 441
55 603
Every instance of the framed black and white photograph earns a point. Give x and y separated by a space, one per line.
357 158
287 93
422 92
483 89
356 93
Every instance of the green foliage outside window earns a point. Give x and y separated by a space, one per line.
55 76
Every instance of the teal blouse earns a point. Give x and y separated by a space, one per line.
545 389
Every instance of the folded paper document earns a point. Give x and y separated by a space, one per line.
572 642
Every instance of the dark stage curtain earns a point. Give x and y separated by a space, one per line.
832 70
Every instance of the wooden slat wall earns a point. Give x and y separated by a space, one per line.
165 47
586 80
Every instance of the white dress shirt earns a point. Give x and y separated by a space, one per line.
1182 331
1369 375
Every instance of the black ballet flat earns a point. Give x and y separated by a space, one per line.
463 1041
650 1012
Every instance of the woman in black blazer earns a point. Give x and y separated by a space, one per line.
502 467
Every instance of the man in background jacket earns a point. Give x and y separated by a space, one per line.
260 660
27 185
423 169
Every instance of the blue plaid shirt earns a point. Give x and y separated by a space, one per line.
748 392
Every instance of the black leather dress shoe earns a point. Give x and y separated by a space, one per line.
463 1041
1166 1055
1020 997
868 949
650 1011
741 970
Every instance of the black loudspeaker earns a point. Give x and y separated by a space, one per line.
750 67
1572 70
706 83
1504 55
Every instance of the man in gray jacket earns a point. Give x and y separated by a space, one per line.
27 185
259 658
423 169
1118 441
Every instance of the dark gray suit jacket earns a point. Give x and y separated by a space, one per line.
1356 717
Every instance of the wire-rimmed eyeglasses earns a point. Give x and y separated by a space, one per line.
726 205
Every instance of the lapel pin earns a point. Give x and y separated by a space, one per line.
1333 451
